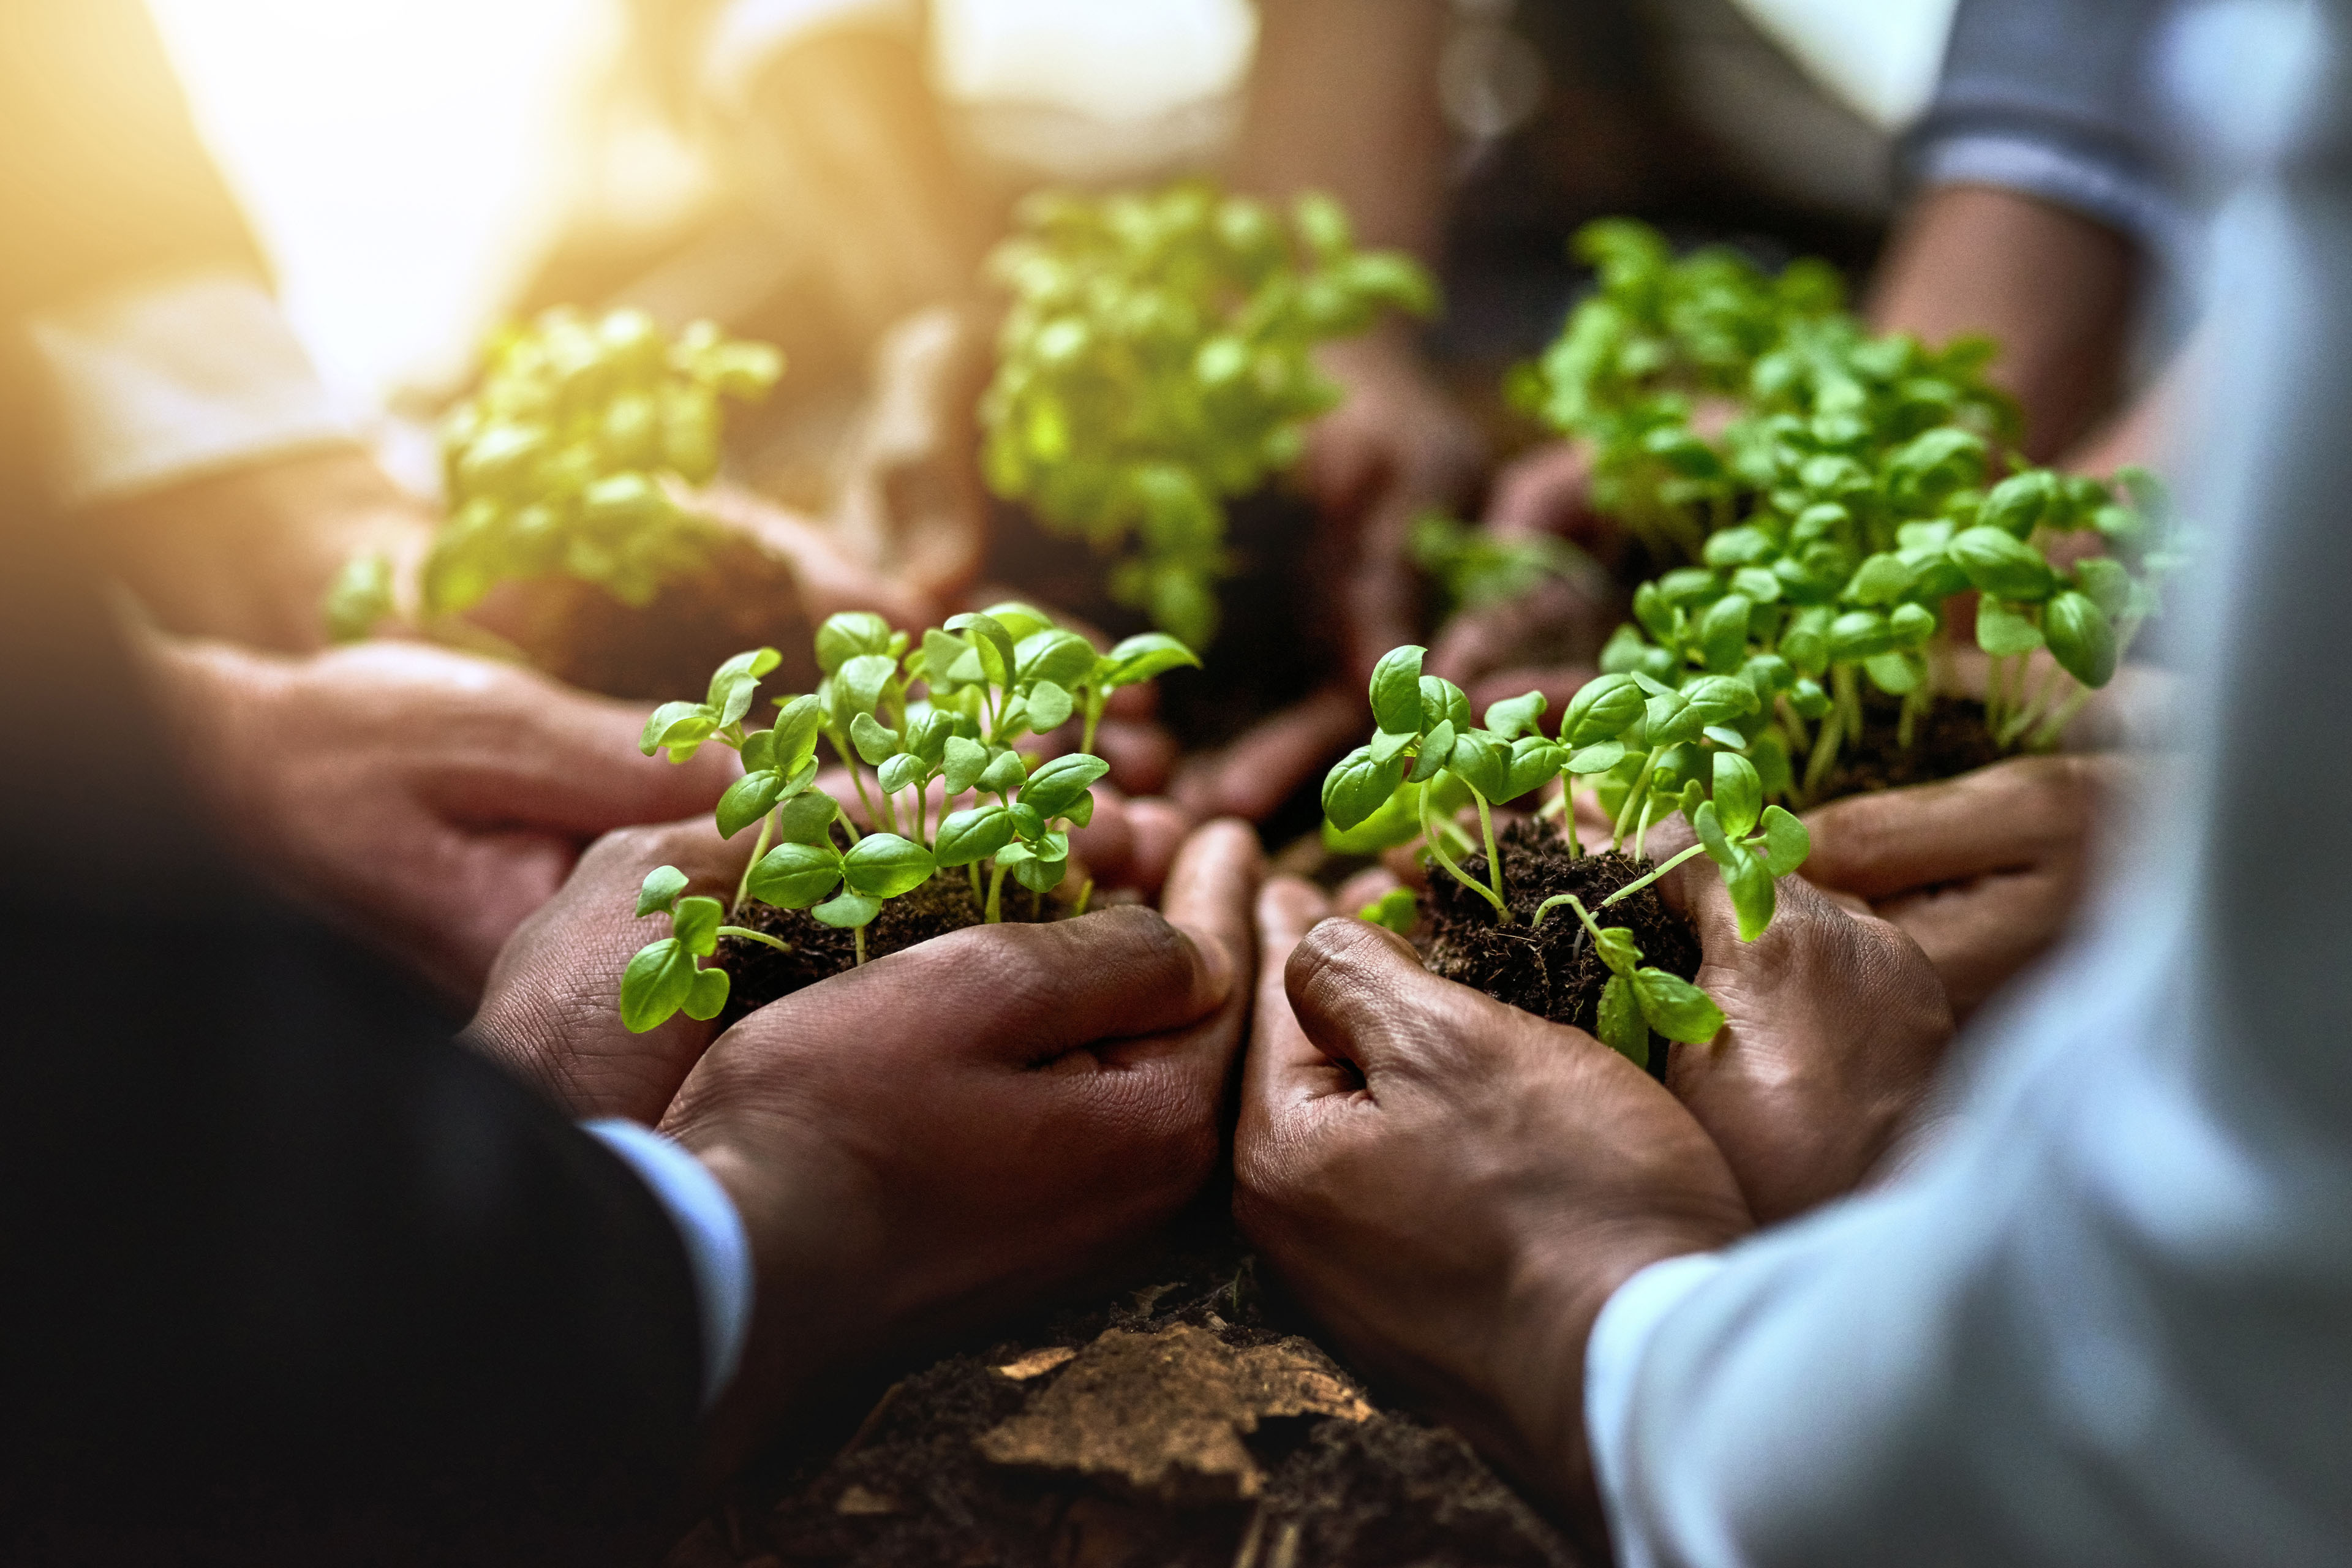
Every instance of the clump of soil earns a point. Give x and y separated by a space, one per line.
1550 970
1179 1419
1950 739
757 974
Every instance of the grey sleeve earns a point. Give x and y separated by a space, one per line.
2054 99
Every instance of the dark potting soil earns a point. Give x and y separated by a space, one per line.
1270 648
1179 1417
1550 970
1950 740
757 974
742 599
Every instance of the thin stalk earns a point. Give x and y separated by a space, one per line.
1642 830
1849 695
1036 903
748 935
1085 896
1094 717
860 934
1633 799
1566 808
1436 846
995 914
922 823
759 848
1635 887
2054 726
1907 725
2031 713
1494 856
1824 752
973 867
858 778
1799 739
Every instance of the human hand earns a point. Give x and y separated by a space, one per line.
1456 1187
427 801
960 1127
1983 871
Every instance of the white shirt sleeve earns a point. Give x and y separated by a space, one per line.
717 1251
170 380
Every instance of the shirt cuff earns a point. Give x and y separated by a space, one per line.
717 1251
159 384
749 34
1611 1357
2123 201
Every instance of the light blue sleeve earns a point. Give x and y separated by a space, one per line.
2109 1320
717 1252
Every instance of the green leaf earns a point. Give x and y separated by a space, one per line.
2003 631
1708 825
1896 673
1357 785
845 637
975 834
876 742
1676 1008
1723 633
1860 635
883 866
994 644
1738 796
1003 775
1056 787
795 876
1436 748
746 799
656 985
1442 702
1912 625
797 723
1387 744
1881 580
1597 759
857 686
807 818
1786 842
695 923
662 885
1397 908
1049 705
1809 699
1534 763
966 760
2082 639
1396 690
1039 874
1483 763
847 911
681 726
1621 1025
2108 583
1143 657
1601 710
749 666
2000 564
1061 656
708 997
1725 736
1750 882
1618 948
902 771
1722 699
1672 720
1021 622
942 654
1516 716
1396 820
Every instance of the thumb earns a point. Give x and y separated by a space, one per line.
1362 997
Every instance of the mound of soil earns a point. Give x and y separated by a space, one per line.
1550 970
1183 1419
1950 740
758 974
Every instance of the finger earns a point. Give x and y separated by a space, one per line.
1363 997
1141 754
2009 817
1251 777
1284 1065
1209 895
1368 886
1105 846
1160 829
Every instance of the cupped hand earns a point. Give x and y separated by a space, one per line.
550 1014
1456 1187
426 800
955 1130
1984 871
1835 1025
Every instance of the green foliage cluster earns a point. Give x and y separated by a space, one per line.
948 712
562 462
1155 362
1468 566
1427 759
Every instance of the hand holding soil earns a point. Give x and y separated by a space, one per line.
950 1131
1455 1186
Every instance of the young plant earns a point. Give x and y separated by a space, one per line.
1468 567
568 461
1156 362
949 713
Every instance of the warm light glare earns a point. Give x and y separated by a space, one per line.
1118 61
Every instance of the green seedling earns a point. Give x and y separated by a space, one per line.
1156 362
1640 999
947 713
1469 567
571 459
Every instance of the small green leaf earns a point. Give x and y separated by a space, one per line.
1739 797
797 723
746 799
1143 658
681 726
1786 842
1809 699
1516 716
1722 699
1387 744
752 665
883 866
1597 759
1483 763
1621 1025
1723 633
975 834
1708 825
1442 702
876 742
1003 775
857 687
708 997
902 771
1057 786
2000 564
994 644
1396 690
845 637
1676 1008
1860 635
1436 748
1618 948
795 876
1534 763
1063 658
806 818
1601 710
966 760
2081 638
1049 705
1397 908
1895 673
695 923
1750 882
654 985
1041 875
1725 736
662 885
2003 631
847 911
1358 785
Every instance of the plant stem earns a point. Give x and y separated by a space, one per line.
1085 896
1849 695
973 868
1565 806
2031 713
1493 855
1642 830
748 935
1095 701
1436 846
1633 799
858 778
861 946
1824 754
759 848
993 915
1656 873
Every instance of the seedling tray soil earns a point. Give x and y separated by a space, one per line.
1951 740
1181 1418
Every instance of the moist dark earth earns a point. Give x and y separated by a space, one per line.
1951 740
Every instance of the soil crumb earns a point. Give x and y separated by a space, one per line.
1549 970
1950 740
